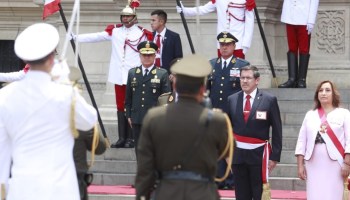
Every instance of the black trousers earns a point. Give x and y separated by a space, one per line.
82 186
248 181
136 129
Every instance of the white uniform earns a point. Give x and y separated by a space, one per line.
12 76
233 16
124 50
299 12
35 130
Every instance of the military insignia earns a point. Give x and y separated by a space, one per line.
171 98
138 71
154 91
233 60
154 71
155 80
219 60
148 45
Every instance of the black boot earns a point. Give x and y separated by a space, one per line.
292 71
121 130
303 66
130 142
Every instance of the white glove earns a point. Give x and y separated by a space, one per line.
309 28
71 36
179 9
245 50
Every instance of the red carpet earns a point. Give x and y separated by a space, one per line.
128 190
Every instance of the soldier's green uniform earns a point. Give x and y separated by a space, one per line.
181 142
142 91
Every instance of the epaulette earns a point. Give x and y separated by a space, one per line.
110 27
148 33
250 5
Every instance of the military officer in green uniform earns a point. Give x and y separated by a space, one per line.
145 84
180 143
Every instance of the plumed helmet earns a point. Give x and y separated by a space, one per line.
128 11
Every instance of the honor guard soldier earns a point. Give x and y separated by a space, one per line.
145 84
125 38
36 127
182 142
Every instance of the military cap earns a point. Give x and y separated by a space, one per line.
226 37
192 66
147 47
36 42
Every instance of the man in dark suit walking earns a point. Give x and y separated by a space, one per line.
253 112
182 142
145 84
169 42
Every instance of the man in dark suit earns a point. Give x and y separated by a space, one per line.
144 85
253 112
181 142
169 42
222 82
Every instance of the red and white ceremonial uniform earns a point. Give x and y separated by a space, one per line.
297 14
234 16
124 54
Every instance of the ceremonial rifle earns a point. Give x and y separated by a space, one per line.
186 28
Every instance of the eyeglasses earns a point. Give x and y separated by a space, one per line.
246 78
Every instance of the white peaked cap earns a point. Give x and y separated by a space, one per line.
36 42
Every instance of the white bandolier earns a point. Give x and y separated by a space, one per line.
233 16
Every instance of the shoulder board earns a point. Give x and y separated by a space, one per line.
110 28
250 5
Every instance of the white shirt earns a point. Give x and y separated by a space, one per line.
252 97
162 37
35 121
122 59
227 62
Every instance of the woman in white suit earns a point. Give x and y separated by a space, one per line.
323 146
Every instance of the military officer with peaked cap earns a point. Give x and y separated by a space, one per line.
145 84
182 142
224 81
35 121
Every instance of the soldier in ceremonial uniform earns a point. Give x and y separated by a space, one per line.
224 81
35 124
233 16
299 17
182 142
124 38
145 84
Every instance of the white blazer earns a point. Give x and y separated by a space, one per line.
339 121
299 12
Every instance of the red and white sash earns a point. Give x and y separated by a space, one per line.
331 140
253 143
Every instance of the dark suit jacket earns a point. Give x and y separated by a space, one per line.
142 93
222 82
256 128
172 48
167 135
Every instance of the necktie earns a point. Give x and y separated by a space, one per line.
158 44
224 65
247 108
145 74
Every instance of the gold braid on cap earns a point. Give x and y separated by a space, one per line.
228 149
72 114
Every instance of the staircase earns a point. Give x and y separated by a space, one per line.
118 166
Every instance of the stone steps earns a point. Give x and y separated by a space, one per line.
118 166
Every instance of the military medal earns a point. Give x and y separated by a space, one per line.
138 70
234 72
